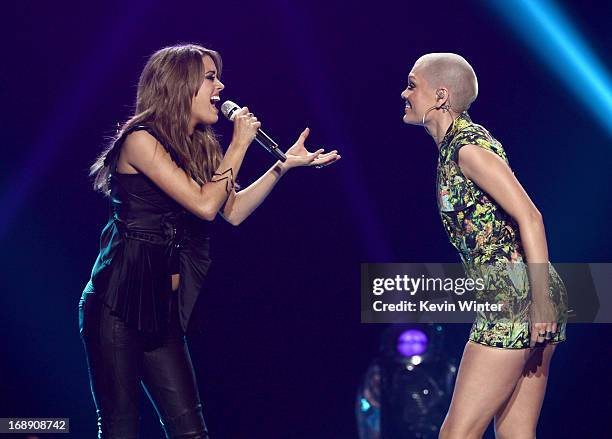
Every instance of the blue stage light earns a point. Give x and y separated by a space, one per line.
546 29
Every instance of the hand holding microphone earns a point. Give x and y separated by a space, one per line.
232 111
245 127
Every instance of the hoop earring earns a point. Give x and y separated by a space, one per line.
425 114
445 108
423 121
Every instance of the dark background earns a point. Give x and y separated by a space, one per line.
283 350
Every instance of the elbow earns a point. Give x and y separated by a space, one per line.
536 216
233 216
533 216
206 213
235 221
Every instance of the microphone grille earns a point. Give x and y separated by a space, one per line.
229 108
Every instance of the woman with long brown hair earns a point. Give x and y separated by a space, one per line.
167 178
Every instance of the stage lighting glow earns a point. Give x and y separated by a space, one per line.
408 387
365 405
412 342
551 34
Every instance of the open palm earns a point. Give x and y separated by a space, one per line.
298 155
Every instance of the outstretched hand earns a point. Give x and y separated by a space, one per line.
298 155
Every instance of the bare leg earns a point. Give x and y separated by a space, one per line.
518 416
486 379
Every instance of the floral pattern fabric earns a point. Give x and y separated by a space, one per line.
489 244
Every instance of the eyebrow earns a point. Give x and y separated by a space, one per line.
211 71
412 77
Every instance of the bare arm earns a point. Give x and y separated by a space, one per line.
143 152
240 205
495 177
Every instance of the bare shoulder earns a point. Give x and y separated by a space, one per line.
474 160
140 149
140 142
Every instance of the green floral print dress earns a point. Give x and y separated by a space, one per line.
489 245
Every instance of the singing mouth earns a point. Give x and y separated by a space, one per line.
215 100
408 106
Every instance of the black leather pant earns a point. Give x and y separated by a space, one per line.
120 359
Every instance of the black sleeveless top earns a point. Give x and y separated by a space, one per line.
148 237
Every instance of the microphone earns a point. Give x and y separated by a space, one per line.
229 108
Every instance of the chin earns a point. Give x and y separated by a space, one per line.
408 120
210 120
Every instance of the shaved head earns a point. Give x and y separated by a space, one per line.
452 72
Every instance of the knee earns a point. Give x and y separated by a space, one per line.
189 425
518 432
450 430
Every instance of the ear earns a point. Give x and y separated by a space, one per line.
442 99
441 95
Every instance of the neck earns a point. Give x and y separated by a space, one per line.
437 126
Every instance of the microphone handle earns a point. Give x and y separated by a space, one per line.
270 145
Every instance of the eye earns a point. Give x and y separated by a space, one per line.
211 77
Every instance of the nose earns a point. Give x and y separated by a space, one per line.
220 85
404 94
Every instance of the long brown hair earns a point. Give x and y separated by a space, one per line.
169 81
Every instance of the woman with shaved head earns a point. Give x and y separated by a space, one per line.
500 236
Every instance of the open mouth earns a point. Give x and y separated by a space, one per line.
408 105
214 100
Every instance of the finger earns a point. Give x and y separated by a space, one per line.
548 334
541 333
242 115
328 154
237 115
256 125
305 133
325 159
536 329
327 162
313 156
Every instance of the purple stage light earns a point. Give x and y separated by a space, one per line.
412 342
